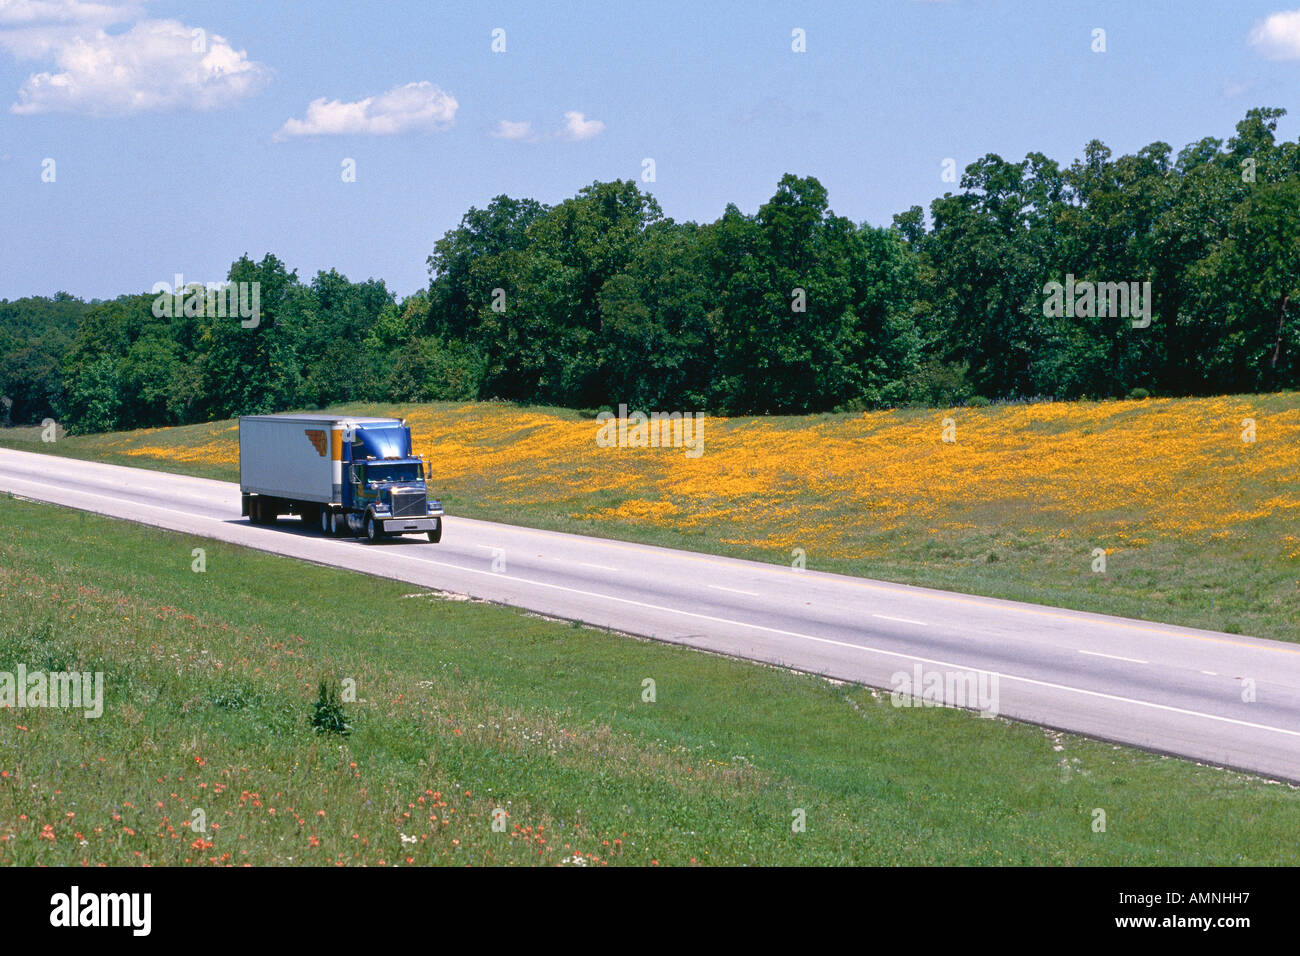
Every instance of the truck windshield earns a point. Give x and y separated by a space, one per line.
407 471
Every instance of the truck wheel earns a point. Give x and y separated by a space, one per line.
373 533
436 534
326 522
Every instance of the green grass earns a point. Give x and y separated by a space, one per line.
210 680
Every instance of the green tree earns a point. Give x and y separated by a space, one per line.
1248 287
253 368
656 340
326 322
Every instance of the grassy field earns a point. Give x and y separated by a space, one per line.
464 708
1199 526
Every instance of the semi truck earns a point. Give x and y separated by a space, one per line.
347 474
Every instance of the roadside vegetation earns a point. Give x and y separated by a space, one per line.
222 706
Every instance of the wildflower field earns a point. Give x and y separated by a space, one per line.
1195 502
465 713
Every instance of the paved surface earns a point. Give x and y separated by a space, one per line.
1171 689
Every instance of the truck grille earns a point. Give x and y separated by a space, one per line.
409 504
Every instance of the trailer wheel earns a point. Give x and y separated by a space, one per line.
373 534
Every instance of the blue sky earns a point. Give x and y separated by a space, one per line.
169 159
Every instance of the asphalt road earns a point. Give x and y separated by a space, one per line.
1170 689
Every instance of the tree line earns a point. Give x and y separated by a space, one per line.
601 299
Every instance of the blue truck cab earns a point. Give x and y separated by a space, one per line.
384 489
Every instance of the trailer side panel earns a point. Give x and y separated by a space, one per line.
286 458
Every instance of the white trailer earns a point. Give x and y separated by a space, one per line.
289 457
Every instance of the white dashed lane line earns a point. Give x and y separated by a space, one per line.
1114 657
719 587
900 620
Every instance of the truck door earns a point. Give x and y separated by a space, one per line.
357 484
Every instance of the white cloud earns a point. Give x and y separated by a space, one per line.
155 65
415 106
508 129
38 29
577 126
32 12
1277 36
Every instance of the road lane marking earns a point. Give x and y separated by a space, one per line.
1076 617
772 630
719 587
875 650
901 620
603 567
830 578
1114 657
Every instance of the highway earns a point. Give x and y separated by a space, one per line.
1219 698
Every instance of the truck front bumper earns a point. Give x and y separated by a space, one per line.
400 525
